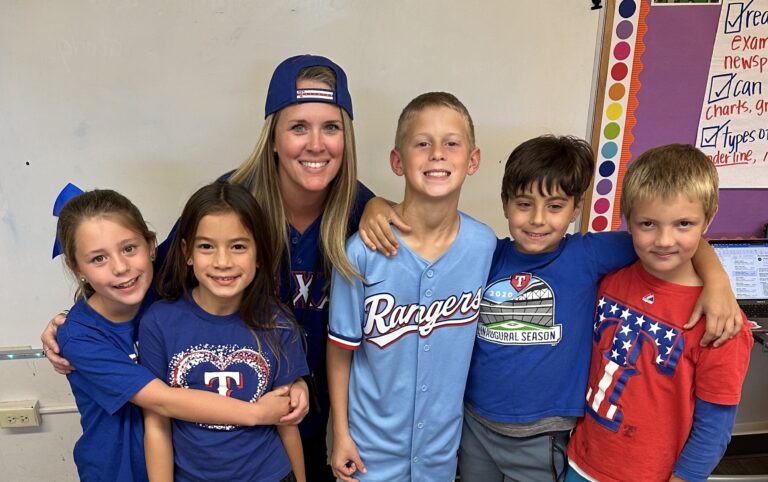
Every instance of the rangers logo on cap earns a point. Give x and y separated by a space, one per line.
321 94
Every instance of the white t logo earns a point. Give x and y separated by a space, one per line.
225 380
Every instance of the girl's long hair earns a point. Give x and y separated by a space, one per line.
260 308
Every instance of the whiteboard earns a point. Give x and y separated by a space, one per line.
155 99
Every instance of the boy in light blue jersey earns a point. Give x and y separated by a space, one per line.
401 337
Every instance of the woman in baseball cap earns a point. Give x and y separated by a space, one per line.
303 173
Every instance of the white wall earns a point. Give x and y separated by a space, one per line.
155 99
45 452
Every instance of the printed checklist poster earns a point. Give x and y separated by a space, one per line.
733 127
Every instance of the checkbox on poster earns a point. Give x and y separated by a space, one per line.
720 87
733 17
709 136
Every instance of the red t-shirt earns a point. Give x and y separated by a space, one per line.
644 374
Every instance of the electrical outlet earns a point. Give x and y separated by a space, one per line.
24 413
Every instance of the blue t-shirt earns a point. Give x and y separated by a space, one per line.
187 347
107 377
534 337
302 289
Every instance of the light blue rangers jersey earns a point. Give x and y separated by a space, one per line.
412 325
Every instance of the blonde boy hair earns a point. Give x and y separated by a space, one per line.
668 171
259 175
425 101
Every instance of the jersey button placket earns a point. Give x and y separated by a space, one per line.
424 365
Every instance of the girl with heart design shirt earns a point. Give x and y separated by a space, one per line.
109 249
221 328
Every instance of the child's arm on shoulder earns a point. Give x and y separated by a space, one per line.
345 460
289 434
158 447
208 407
717 300
709 437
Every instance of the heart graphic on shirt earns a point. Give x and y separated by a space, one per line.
224 359
224 367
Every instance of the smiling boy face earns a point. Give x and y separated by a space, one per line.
436 154
539 220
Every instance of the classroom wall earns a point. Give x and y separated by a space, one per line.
674 83
155 99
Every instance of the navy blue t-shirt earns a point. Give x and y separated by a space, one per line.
107 377
188 347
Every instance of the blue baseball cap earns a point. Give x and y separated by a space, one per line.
283 92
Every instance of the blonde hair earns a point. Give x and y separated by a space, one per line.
425 101
667 171
259 174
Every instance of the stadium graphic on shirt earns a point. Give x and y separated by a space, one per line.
519 310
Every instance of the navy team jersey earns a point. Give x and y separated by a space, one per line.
107 377
190 348
534 336
412 325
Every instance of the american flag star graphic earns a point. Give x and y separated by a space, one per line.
632 330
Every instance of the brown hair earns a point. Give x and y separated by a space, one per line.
260 304
99 203
548 162
665 172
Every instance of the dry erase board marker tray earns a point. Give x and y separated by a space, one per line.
745 459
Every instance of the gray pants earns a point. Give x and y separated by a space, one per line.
488 456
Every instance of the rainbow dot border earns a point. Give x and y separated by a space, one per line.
618 78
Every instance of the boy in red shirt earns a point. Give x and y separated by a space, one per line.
659 405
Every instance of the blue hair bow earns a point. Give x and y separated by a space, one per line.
69 192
